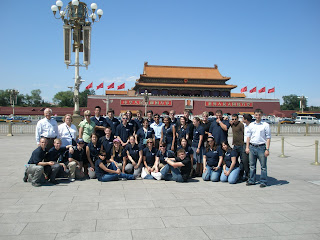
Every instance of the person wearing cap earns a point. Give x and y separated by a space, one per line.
107 170
118 154
212 161
75 161
47 128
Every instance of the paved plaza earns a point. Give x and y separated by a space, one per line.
148 209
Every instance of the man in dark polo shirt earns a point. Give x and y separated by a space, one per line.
124 131
180 167
237 135
100 122
138 120
112 121
37 164
219 128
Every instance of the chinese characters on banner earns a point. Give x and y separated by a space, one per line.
228 104
141 102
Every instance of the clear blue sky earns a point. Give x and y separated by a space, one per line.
272 43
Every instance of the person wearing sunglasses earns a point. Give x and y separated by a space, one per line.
124 131
107 170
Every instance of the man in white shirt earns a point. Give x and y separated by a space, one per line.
257 146
47 128
157 127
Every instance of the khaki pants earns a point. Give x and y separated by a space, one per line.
75 171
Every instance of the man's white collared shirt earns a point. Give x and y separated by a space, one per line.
258 132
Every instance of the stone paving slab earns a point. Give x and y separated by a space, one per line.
147 209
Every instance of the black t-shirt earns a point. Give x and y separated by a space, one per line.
37 156
150 156
206 127
213 157
78 154
227 157
101 123
186 169
99 171
54 154
94 150
166 154
188 150
117 156
133 151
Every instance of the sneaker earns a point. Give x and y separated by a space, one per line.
157 175
263 185
122 179
54 182
35 184
25 178
250 183
72 179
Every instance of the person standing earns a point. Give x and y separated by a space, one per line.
86 127
47 128
157 128
247 119
197 145
138 120
100 122
219 128
172 117
238 135
68 132
258 144
150 117
112 121
123 131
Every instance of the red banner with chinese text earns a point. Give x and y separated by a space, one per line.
228 104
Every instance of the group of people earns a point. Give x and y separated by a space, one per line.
148 148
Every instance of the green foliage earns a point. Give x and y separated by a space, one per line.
32 100
290 102
63 99
83 97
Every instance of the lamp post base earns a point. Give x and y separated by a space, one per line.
76 119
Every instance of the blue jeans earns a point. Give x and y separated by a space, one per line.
113 176
257 153
211 175
197 158
174 176
233 176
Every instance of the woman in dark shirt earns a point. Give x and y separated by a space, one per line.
92 151
144 133
231 167
134 158
168 134
212 161
107 170
182 130
149 159
197 145
118 154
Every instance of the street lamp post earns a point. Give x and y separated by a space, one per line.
303 101
146 101
77 19
13 98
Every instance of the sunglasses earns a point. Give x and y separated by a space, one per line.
103 155
161 146
150 142
234 119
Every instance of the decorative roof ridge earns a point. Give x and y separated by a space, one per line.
215 66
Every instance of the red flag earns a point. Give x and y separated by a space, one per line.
89 86
100 86
244 89
111 86
122 86
262 90
271 90
253 90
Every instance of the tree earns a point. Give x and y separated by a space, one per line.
83 97
292 102
63 99
34 99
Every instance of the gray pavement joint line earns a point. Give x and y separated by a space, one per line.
95 226
289 220
205 232
187 211
23 229
65 215
131 234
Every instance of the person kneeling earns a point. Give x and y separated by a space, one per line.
180 167
108 170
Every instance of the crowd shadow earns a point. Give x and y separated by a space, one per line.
273 181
